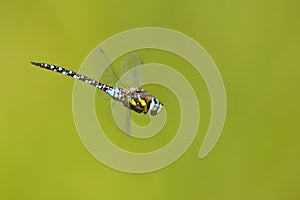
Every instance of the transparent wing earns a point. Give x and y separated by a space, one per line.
129 121
133 77
131 68
122 117
110 75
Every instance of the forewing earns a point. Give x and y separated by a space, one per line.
110 76
133 73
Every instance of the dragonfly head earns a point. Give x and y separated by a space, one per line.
155 106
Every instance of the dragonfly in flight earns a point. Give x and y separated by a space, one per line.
134 98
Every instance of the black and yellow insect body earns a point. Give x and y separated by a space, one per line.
136 98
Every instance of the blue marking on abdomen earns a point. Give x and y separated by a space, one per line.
110 92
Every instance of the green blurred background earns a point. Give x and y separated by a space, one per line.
255 45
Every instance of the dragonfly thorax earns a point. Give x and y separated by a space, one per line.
136 99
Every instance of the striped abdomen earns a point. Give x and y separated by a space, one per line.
115 93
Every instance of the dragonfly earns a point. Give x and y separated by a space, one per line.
134 98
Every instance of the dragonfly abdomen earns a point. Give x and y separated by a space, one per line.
75 75
114 92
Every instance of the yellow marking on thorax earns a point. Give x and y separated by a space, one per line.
143 102
132 102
